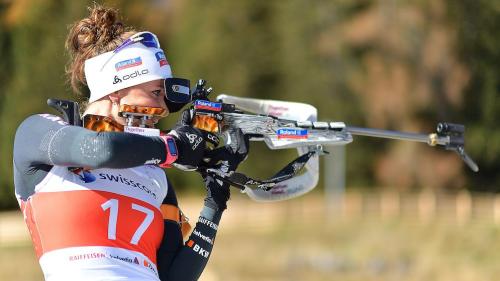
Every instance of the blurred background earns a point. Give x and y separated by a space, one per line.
408 211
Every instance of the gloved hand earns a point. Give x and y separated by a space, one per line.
226 159
190 145
190 141
200 146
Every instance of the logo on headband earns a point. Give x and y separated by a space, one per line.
128 63
132 75
161 58
116 80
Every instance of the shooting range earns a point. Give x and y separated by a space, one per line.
375 140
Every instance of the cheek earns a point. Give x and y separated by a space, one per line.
161 101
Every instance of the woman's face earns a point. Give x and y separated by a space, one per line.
149 94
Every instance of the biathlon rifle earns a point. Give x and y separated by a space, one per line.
283 125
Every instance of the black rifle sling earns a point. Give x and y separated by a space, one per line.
241 180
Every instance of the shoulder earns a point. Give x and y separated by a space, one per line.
41 120
45 117
35 126
52 118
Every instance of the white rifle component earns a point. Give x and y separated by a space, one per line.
307 115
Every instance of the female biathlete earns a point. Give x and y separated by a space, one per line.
96 200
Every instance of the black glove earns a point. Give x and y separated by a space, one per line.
226 159
186 119
190 145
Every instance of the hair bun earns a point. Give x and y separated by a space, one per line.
98 33
97 30
106 26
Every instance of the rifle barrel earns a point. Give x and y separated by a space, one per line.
426 138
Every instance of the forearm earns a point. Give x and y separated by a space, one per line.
192 257
40 140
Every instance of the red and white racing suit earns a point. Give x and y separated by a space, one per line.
103 224
111 222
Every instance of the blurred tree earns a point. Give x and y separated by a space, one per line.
35 70
4 50
32 36
400 61
477 24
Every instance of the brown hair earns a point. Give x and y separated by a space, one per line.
98 33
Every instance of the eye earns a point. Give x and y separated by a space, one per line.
157 93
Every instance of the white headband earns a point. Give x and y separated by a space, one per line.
133 65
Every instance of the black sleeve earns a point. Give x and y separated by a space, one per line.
191 259
44 140
185 262
171 197
172 237
176 261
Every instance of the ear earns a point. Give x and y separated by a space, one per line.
114 97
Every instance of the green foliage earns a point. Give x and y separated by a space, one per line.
479 47
34 68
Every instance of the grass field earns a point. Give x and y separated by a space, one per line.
300 241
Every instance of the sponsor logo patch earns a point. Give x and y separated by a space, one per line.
208 223
203 237
213 138
87 176
202 252
151 132
279 189
180 89
87 256
128 63
161 58
194 140
153 162
277 110
286 133
129 259
150 266
54 118
132 75
125 259
208 105
116 80
126 181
